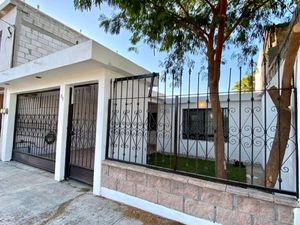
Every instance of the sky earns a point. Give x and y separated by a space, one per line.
88 23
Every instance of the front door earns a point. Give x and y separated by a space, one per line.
82 133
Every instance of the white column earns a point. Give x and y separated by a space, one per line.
103 95
62 128
8 128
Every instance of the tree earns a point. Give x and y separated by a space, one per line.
282 101
191 27
247 83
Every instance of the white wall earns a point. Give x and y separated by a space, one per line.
205 149
297 83
288 171
128 137
7 39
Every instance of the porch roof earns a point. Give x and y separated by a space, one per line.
87 56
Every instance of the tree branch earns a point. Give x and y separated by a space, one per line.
274 94
182 7
196 29
212 6
244 14
221 35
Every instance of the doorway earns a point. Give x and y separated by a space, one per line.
152 127
82 133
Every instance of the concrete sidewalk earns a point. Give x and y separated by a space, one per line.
31 196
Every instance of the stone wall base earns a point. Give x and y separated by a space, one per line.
224 204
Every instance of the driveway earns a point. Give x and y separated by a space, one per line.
31 196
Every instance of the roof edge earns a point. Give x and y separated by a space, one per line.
6 7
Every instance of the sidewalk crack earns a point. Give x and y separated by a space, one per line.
60 210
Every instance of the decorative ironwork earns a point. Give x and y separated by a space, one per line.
36 124
50 138
155 131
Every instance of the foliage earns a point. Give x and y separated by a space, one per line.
247 83
184 27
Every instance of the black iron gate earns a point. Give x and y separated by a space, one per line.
82 133
36 128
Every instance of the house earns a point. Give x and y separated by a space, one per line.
79 110
50 79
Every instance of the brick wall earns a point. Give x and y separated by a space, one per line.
219 203
38 35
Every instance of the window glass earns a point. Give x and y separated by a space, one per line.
198 124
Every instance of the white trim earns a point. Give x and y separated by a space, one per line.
62 130
296 216
8 126
154 208
91 54
100 146
100 128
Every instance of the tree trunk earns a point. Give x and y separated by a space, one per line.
281 138
282 102
219 140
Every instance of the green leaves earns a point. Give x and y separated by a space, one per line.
86 4
245 84
185 27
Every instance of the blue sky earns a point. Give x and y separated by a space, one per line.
87 22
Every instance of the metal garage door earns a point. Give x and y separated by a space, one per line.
82 133
36 128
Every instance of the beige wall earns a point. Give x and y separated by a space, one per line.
215 202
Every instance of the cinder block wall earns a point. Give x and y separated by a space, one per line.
219 203
38 35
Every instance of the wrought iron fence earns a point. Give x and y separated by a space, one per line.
160 126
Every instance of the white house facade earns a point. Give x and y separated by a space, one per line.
44 62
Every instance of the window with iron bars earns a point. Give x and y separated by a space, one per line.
198 124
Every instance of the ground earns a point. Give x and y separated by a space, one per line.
31 196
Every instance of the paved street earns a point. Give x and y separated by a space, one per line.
31 196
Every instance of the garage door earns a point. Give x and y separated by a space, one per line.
36 129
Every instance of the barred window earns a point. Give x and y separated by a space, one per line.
198 124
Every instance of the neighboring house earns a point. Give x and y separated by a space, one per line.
75 108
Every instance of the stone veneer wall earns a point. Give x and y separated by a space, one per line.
216 202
